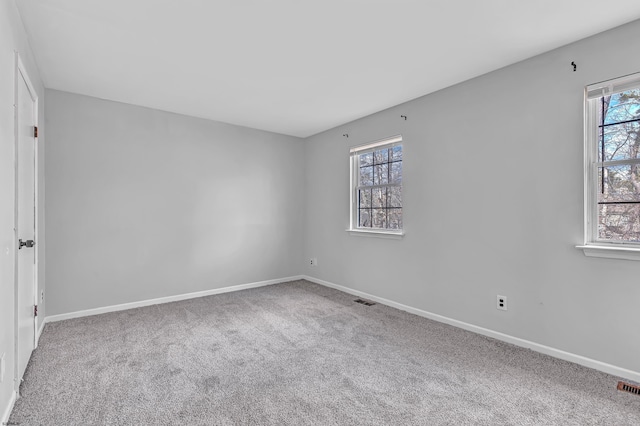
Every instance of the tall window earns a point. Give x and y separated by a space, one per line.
612 161
376 186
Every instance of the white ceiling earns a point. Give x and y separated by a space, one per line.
296 67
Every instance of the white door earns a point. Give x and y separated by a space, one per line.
26 110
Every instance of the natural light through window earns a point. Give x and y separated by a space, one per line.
612 160
376 187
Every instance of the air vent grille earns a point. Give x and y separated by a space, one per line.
364 302
628 387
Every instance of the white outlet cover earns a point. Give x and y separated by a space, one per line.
501 303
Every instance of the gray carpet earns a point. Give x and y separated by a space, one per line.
300 354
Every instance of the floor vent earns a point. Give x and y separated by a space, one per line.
627 387
364 302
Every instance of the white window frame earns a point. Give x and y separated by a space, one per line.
354 154
594 246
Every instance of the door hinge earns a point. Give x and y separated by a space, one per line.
28 243
35 310
35 131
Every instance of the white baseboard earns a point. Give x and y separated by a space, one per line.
547 350
7 411
149 302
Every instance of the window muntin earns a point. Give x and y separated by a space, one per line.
613 161
376 195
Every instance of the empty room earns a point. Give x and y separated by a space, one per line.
319 213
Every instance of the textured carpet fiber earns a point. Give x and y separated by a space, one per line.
299 354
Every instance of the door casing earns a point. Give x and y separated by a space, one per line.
21 74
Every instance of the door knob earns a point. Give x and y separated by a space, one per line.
28 244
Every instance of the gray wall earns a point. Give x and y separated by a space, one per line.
13 38
144 204
493 195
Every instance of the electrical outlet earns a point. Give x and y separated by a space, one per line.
502 303
2 368
42 296
313 261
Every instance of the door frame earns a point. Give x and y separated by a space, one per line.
21 73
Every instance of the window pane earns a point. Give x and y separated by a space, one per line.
396 172
366 175
394 217
379 197
379 218
378 187
366 159
364 218
621 141
394 196
621 183
618 212
381 174
364 197
622 106
381 156
396 153
620 222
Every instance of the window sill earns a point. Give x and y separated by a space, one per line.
376 234
611 252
